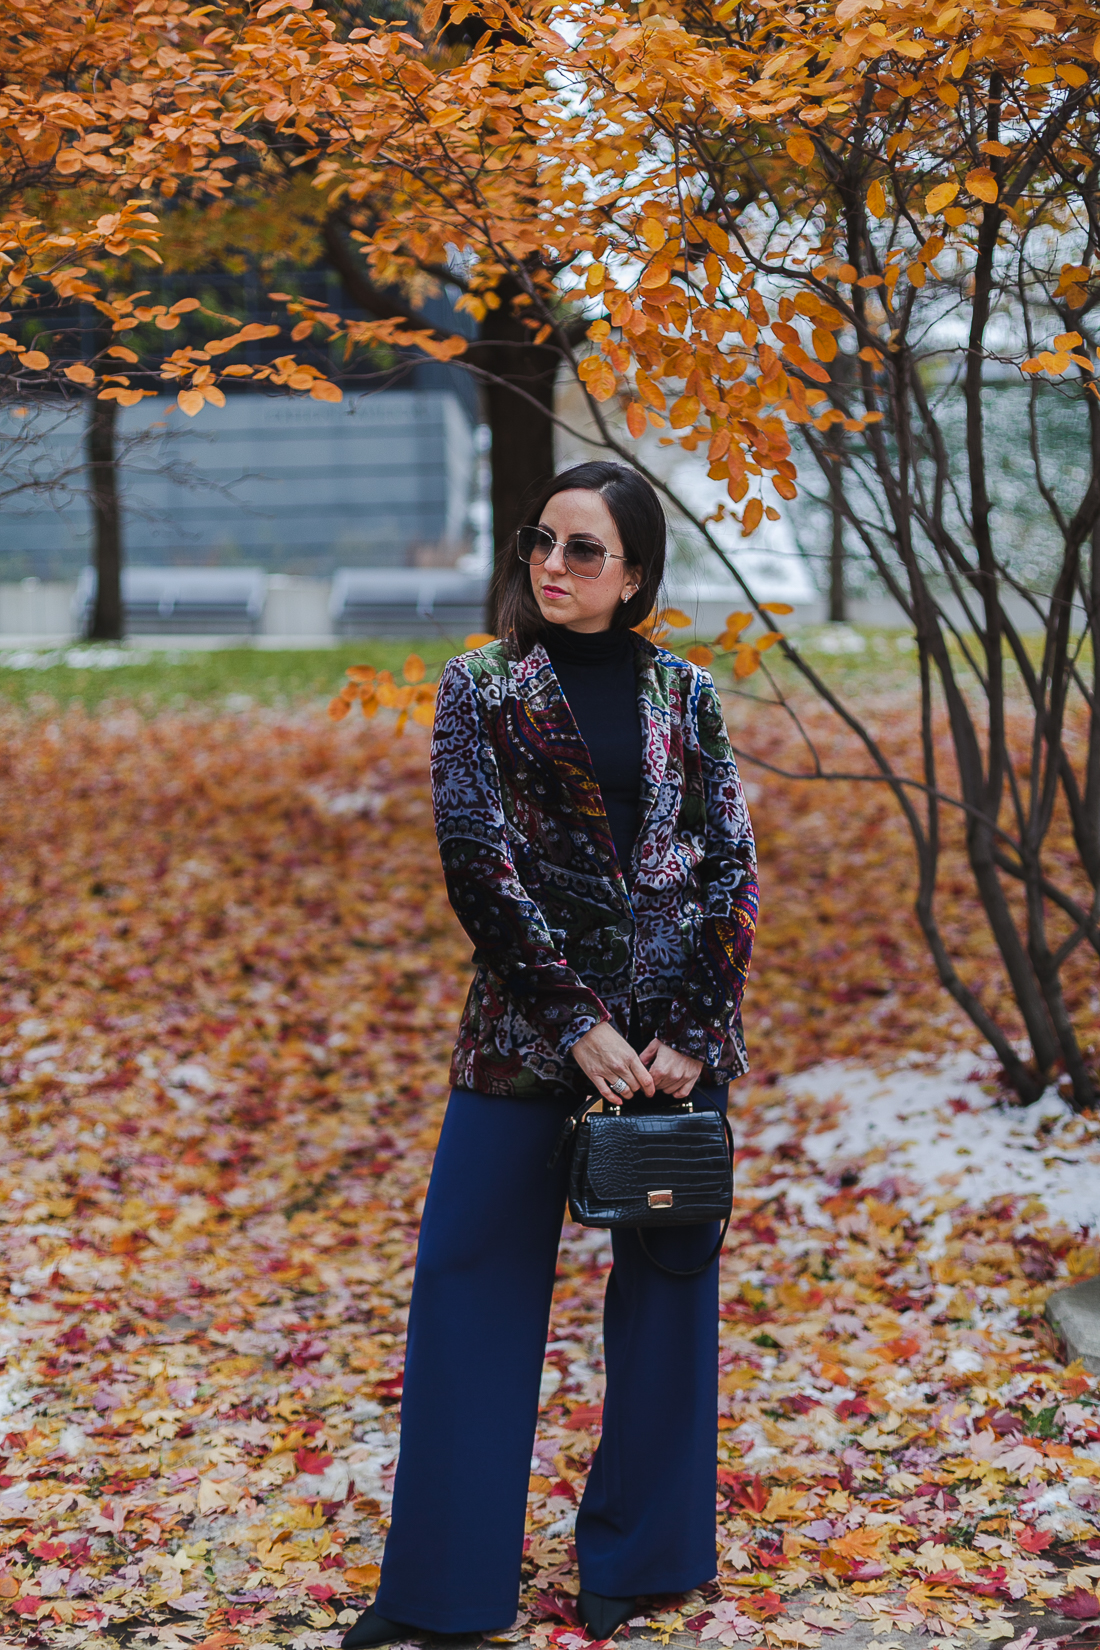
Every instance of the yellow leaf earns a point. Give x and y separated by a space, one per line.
34 359
783 1504
424 714
368 704
429 18
746 662
737 622
652 231
338 708
684 412
801 149
768 639
636 419
876 200
982 183
776 607
478 638
80 374
413 668
595 278
939 197
675 617
1072 74
360 673
700 655
323 390
122 353
190 402
754 514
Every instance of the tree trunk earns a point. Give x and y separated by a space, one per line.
518 378
519 402
838 611
106 624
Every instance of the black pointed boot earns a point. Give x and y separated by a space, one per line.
601 1617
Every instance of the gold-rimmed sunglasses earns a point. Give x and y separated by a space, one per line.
583 556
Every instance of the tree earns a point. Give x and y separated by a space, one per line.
89 116
749 194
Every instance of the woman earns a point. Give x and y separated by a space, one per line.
598 852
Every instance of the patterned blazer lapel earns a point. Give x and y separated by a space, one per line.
656 723
552 731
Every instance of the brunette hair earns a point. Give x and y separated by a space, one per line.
637 514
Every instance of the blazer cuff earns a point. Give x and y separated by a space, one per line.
579 1026
687 1037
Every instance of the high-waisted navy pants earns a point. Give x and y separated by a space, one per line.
477 1337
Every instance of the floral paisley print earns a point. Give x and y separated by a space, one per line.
561 941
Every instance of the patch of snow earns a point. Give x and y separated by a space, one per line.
192 1075
938 1127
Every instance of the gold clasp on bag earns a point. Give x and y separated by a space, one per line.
660 1200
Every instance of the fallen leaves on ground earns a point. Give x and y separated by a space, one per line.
229 989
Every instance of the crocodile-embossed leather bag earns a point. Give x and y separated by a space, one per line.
642 1169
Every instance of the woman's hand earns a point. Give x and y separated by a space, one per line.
673 1073
605 1057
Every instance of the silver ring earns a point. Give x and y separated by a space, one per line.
621 1086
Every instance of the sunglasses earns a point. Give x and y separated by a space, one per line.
582 556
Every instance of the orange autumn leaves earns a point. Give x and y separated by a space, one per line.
374 689
226 1015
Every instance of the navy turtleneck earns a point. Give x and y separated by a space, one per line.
596 674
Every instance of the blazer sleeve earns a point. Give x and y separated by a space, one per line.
700 1019
509 932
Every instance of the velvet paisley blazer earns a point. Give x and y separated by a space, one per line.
561 942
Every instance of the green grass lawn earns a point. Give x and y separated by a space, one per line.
161 677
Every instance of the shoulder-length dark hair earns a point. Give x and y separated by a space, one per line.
636 511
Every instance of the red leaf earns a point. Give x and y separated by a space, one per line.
852 1406
897 1351
1035 1541
392 1387
49 1549
585 1416
312 1460
321 1592
1080 1604
563 1490
753 1495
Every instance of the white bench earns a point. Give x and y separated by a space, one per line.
182 601
407 601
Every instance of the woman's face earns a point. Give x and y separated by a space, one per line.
563 598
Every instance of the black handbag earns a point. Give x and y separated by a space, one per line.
655 1168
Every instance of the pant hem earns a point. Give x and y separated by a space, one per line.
431 1621
623 1589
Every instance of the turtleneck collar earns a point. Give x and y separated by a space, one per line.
582 647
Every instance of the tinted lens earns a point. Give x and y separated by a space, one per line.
585 557
534 544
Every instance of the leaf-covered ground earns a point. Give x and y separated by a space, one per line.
227 990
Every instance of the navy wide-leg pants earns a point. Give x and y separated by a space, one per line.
477 1337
